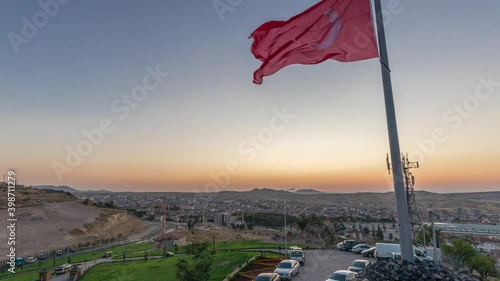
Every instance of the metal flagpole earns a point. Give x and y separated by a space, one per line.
405 237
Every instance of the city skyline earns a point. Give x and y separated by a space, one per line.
201 124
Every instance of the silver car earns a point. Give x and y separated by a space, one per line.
287 269
359 265
360 247
342 275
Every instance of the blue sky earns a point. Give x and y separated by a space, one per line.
91 52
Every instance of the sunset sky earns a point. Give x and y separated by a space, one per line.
207 127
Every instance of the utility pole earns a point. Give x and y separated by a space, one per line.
434 252
286 245
164 215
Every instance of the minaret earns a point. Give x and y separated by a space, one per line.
164 216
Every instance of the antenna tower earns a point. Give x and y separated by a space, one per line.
409 179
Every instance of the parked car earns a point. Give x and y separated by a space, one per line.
397 256
107 254
360 247
19 261
268 277
31 260
342 275
340 245
359 265
41 256
368 253
294 249
298 256
287 269
59 253
348 244
169 254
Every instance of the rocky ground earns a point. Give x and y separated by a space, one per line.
420 271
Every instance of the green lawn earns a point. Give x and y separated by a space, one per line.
162 269
25 277
42 265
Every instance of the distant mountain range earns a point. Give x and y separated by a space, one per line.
308 191
53 187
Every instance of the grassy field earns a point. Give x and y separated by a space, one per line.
219 246
162 269
25 277
137 250
42 265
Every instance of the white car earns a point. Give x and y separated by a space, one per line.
294 249
268 277
342 275
31 260
359 265
298 256
287 269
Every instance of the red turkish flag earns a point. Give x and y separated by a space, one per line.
341 30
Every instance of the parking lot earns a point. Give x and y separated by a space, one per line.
321 263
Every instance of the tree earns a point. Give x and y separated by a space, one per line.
383 226
302 223
366 231
485 265
380 234
197 268
391 236
459 251
374 234
427 229
339 227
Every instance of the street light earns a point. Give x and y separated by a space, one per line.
286 244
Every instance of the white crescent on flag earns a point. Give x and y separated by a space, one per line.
334 32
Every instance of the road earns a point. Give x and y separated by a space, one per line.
321 263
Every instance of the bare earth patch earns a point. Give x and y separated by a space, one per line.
51 226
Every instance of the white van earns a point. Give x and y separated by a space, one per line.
63 268
385 250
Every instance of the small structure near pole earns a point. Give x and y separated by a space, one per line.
168 240
44 275
75 273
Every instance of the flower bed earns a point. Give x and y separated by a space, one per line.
260 265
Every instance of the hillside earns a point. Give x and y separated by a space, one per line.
26 197
49 219
60 188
